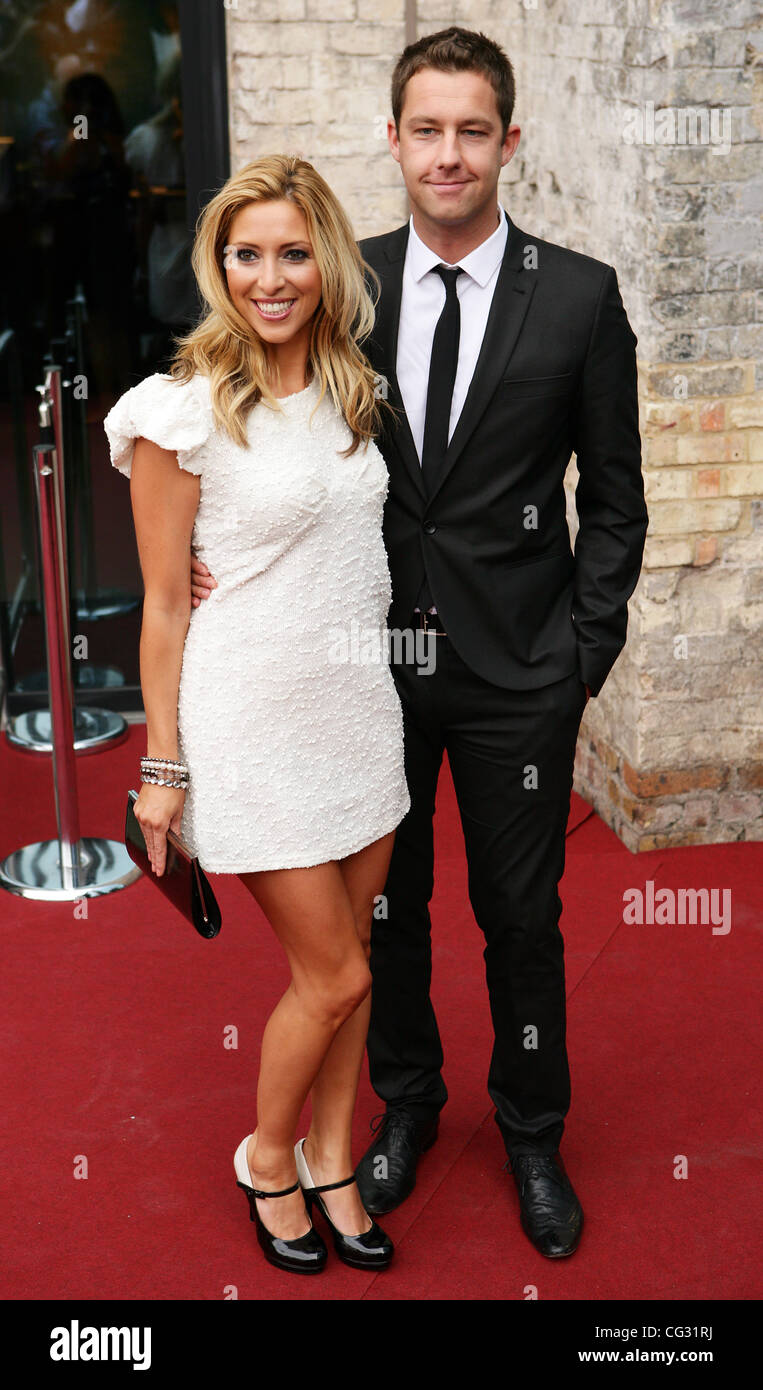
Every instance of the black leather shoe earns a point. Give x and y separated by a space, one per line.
550 1213
371 1249
400 1140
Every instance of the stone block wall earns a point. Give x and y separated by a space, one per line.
310 77
642 131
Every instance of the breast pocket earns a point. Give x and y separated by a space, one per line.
558 385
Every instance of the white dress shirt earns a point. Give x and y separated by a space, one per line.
422 303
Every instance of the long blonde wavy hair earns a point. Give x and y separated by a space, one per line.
224 347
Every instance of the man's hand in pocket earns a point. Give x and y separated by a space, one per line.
202 582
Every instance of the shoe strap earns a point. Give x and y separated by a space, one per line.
329 1186
283 1193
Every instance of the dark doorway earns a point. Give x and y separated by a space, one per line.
113 134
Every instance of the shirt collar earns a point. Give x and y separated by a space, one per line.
480 263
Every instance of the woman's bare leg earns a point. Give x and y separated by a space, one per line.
328 1146
312 915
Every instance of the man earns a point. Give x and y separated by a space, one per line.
503 354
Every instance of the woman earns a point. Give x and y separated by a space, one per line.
257 450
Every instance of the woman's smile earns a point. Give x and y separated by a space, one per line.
274 308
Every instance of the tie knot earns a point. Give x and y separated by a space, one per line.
449 275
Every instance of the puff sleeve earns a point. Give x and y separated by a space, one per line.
174 414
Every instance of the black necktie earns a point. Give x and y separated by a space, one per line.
442 375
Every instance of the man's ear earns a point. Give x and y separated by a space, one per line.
392 137
511 140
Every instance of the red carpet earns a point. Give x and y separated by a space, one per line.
114 1032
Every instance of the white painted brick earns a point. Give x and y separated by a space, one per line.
681 226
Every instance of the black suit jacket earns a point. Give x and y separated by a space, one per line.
556 373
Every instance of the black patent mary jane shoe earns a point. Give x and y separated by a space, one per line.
371 1249
305 1255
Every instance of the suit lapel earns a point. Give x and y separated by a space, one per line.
385 335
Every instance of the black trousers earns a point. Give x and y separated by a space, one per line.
511 755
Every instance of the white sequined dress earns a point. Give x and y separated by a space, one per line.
288 715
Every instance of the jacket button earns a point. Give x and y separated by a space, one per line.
430 528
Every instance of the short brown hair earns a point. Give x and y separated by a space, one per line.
457 50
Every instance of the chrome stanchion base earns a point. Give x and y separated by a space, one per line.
87 678
93 729
98 677
34 871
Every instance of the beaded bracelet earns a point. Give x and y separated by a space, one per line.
162 782
176 774
165 771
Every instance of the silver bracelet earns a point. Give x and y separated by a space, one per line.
162 782
164 772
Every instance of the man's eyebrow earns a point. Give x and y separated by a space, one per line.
433 120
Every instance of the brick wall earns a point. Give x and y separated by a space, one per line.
311 77
670 752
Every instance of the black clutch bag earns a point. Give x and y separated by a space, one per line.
183 882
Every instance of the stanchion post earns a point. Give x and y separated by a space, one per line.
93 728
56 612
70 867
52 394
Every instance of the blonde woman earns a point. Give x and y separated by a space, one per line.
257 450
